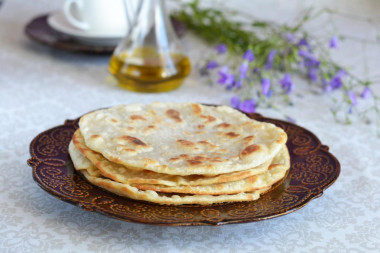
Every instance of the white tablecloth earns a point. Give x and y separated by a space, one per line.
40 87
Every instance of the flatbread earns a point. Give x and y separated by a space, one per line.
123 174
81 162
181 138
276 172
126 190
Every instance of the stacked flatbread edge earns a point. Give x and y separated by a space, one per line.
179 153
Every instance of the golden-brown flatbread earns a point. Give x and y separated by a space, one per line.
123 174
276 172
84 167
181 138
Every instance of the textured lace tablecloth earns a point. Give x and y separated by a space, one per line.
41 87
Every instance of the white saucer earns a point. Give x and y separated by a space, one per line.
58 22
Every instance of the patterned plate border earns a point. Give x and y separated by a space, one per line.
313 169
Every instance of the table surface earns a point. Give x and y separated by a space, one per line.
40 87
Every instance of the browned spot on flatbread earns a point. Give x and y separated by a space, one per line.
282 138
149 128
133 140
207 144
223 125
186 143
129 150
252 179
125 149
185 156
174 159
149 161
95 136
137 117
209 159
173 114
249 138
201 126
114 120
200 158
194 162
232 134
208 118
215 160
197 109
250 149
114 159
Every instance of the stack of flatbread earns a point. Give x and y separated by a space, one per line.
179 153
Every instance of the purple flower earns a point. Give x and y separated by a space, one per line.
305 54
243 69
365 93
225 77
305 43
289 37
221 48
249 56
309 60
287 84
336 81
341 73
265 87
270 59
248 106
235 102
212 65
237 84
351 95
333 42
313 74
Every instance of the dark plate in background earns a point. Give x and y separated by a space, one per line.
39 30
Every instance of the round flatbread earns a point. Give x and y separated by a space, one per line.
84 167
276 172
123 174
128 191
181 138
80 162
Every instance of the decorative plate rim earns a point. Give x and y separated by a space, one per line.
222 219
67 43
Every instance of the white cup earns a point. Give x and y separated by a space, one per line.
106 17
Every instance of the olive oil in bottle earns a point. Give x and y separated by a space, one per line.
148 71
150 58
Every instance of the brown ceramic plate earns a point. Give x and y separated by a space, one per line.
39 30
313 169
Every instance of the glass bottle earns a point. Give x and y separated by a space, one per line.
150 58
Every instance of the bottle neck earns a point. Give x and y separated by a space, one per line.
150 27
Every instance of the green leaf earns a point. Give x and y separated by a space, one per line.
260 24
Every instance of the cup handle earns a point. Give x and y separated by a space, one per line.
67 10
